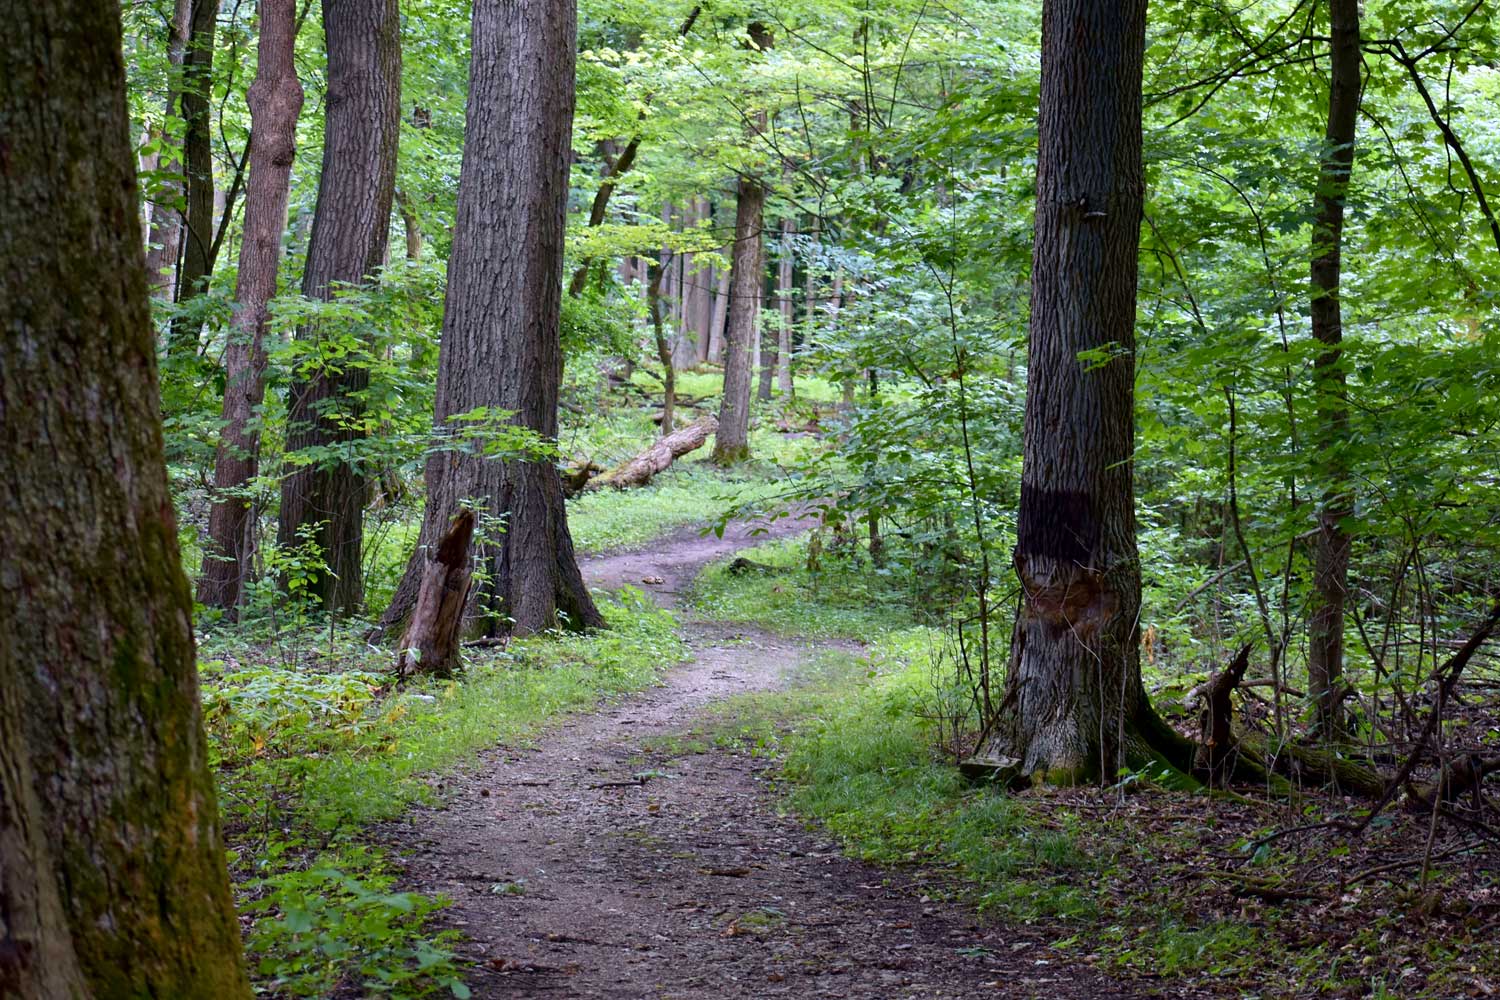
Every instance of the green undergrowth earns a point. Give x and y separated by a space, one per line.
312 744
688 493
839 599
1114 877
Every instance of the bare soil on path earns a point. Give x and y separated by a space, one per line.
595 865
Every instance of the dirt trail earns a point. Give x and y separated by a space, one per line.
590 867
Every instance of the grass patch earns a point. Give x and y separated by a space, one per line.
312 743
689 493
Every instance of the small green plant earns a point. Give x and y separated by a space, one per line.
322 928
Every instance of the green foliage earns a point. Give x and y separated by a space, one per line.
338 923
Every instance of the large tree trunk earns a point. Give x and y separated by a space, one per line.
350 228
275 102
112 876
1325 621
1074 708
732 441
500 344
165 236
198 154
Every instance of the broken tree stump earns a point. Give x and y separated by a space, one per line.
657 458
431 641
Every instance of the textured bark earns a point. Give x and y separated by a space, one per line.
431 642
500 344
197 248
639 470
165 236
732 441
114 882
275 102
351 226
1325 620
1074 708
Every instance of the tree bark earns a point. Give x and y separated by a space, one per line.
1075 709
732 440
165 236
114 883
1325 622
351 226
431 642
275 102
412 227
197 238
500 343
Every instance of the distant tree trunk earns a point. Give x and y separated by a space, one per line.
197 238
1325 622
732 441
785 290
770 338
412 226
719 318
275 102
1075 709
500 343
351 227
663 350
165 236
112 876
747 266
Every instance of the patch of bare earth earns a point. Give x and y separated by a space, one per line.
579 869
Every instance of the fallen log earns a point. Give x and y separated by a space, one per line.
639 470
431 642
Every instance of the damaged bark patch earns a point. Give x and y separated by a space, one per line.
1058 524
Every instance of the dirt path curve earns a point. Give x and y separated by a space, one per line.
586 867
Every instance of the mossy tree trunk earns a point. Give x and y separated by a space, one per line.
1074 706
351 226
501 343
112 876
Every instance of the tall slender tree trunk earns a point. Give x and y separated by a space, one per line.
351 227
732 440
164 238
197 237
769 340
112 876
1074 708
412 227
786 286
275 102
1325 622
663 351
501 343
719 317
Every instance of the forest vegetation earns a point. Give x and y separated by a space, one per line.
1065 435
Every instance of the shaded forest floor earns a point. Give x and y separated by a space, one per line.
624 854
661 846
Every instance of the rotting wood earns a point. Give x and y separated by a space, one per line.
431 642
1218 741
639 470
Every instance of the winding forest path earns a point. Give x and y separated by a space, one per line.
594 865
